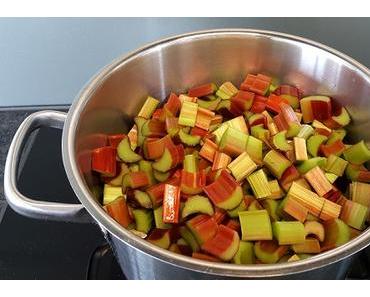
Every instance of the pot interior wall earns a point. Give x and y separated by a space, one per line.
193 60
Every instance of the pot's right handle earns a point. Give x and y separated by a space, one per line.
37 209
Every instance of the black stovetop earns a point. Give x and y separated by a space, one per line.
34 249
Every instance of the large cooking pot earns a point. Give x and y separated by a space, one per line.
109 101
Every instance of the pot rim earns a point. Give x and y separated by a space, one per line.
124 235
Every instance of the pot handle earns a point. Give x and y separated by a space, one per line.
23 205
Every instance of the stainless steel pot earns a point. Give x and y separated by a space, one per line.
110 100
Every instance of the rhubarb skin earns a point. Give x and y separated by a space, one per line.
335 148
225 192
224 244
245 253
103 160
203 227
202 90
193 183
290 175
118 210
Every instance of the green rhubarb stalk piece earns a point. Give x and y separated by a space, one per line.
292 100
309 246
161 176
357 153
255 225
143 219
354 214
293 130
331 177
233 142
260 132
306 131
226 91
209 104
117 181
276 163
315 228
271 206
337 233
280 142
307 165
190 140
160 237
164 163
269 251
189 238
314 142
139 121
158 219
125 153
191 163
134 168
254 148
188 114
197 204
288 233
336 135
111 193
142 199
245 253
259 184
336 165
343 118
146 166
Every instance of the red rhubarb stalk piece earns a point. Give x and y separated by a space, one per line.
103 160
171 204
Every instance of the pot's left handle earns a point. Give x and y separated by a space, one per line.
37 209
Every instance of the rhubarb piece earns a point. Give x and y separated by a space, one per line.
202 90
357 154
259 132
276 163
203 227
233 224
256 119
336 135
258 84
224 109
336 148
314 142
306 198
143 219
321 107
318 181
354 214
255 225
337 233
357 173
171 204
302 182
208 150
154 148
300 149
139 199
172 126
335 165
307 165
220 161
153 128
190 140
331 177
111 193
254 149
341 120
114 140
237 123
234 213
189 238
159 115
103 160
274 102
291 119
330 210
205 257
316 229
288 233
271 206
280 142
118 210
359 192
204 118
117 180
241 102
306 109
242 166
219 132
197 204
226 90
188 114
160 237
135 180
292 94
148 107
233 142
225 192
269 251
134 168
125 153
139 122
224 244
146 166
309 246
210 105
192 182
259 184
254 205
293 208
259 104
245 253
161 176
276 191
305 132
273 129
158 219
184 98
321 127
171 157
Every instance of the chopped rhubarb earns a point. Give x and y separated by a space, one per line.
276 163
269 251
255 225
226 91
148 108
202 90
188 114
289 232
335 148
203 227
208 150
125 153
220 161
357 154
118 210
173 105
103 160
171 204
